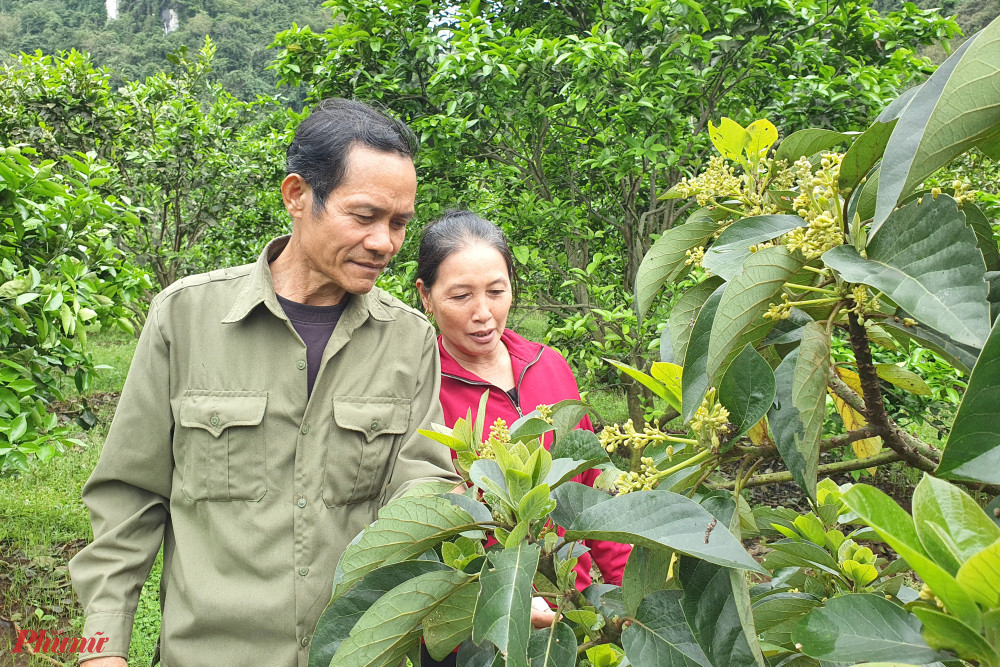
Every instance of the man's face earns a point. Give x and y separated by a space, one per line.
351 240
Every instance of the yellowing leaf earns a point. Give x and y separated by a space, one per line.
758 434
729 138
763 134
854 420
903 378
670 375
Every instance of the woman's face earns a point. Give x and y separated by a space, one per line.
470 300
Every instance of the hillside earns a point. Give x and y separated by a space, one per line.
135 43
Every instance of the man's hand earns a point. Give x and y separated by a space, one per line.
111 661
542 616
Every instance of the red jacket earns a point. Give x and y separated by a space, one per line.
541 377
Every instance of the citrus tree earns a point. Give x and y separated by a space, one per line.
60 273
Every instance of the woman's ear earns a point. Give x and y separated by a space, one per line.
425 296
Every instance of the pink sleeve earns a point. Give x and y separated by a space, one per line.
609 556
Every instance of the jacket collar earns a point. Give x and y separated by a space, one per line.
523 352
259 288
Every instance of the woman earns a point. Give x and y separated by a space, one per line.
466 280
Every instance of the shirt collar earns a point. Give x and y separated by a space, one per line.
259 288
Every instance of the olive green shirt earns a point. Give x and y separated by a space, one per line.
254 488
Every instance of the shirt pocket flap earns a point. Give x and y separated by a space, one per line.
372 416
217 411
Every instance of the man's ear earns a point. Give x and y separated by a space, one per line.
297 195
425 295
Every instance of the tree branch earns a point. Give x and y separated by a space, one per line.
886 456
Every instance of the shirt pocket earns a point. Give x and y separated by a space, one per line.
222 436
358 455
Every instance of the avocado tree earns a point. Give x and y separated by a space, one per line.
789 249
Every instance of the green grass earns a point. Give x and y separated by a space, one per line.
43 522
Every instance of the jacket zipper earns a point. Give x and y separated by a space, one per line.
487 384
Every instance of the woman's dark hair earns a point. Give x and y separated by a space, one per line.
322 142
455 231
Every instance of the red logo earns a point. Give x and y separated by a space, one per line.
42 641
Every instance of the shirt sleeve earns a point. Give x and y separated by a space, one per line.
419 458
127 495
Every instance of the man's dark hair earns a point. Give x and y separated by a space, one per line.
322 142
457 230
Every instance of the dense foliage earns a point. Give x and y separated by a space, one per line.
565 123
60 272
790 250
200 167
134 45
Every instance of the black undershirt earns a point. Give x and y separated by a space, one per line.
315 325
513 394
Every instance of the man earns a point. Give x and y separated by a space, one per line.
270 411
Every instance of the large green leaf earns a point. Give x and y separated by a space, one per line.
580 445
973 450
405 528
781 609
685 312
808 142
665 260
957 107
662 519
503 610
391 626
925 259
341 615
554 646
801 457
661 636
895 526
726 256
739 320
962 357
812 369
566 416
646 571
711 609
572 498
694 378
451 621
980 575
950 524
854 628
947 633
987 245
864 153
747 390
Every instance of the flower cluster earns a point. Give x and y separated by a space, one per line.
545 413
710 420
818 203
780 311
499 436
695 255
614 436
864 302
717 181
644 480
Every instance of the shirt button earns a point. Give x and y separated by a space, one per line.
375 425
214 421
301 365
303 571
304 429
305 641
302 502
